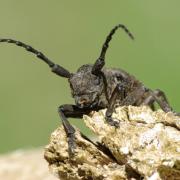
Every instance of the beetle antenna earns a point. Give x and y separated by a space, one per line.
101 60
55 68
109 38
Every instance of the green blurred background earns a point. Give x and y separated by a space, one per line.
71 33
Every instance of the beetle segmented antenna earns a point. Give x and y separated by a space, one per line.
39 54
100 62
109 37
57 69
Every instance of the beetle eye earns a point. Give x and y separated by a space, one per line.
97 81
119 78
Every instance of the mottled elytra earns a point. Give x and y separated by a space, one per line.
95 87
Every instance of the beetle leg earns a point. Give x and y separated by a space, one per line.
66 111
149 101
159 97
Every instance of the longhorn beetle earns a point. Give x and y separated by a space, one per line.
95 87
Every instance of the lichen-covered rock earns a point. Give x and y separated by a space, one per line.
146 145
88 161
147 141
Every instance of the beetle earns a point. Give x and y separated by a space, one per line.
95 87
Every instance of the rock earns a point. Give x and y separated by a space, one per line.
24 165
146 145
88 161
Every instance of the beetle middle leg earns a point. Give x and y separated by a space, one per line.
67 111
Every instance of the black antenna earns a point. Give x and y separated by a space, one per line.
57 69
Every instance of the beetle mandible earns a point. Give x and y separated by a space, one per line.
95 87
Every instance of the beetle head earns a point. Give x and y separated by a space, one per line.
86 87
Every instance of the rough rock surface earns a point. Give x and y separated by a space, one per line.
88 161
145 146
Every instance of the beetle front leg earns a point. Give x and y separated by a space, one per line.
68 128
118 93
66 111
